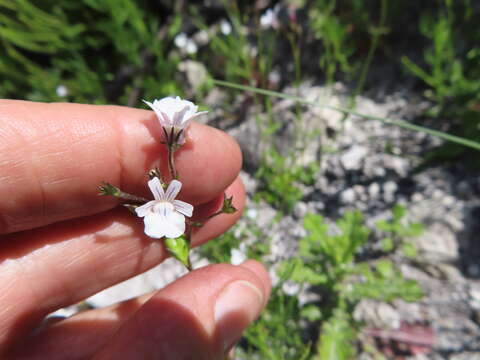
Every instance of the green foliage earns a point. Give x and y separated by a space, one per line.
451 71
397 231
218 251
98 50
334 250
281 180
383 282
278 332
328 260
332 31
336 342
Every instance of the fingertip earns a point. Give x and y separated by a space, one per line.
262 274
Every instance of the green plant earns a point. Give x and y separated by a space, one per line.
94 51
333 34
281 179
329 262
397 231
451 72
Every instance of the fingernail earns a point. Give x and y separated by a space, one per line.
237 305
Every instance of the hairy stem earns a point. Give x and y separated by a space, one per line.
107 189
171 162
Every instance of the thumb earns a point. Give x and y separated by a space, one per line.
200 316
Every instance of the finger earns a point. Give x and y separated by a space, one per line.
45 269
86 332
54 156
200 316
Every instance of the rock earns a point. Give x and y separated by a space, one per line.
348 196
353 157
437 244
377 314
374 190
195 74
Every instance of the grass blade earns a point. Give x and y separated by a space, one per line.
400 123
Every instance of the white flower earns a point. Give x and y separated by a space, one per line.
181 40
225 27
191 47
175 116
270 18
237 257
164 216
61 90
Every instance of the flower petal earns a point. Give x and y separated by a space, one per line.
156 188
144 209
169 223
183 207
178 118
173 189
193 116
167 120
155 108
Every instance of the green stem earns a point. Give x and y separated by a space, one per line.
371 51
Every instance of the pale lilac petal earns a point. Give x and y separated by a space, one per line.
197 114
173 190
144 209
170 224
167 119
158 112
178 118
183 207
169 106
156 188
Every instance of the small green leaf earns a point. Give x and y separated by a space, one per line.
383 225
179 249
227 207
414 229
409 250
385 268
399 212
387 244
336 338
311 313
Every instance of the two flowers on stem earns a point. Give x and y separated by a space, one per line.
164 217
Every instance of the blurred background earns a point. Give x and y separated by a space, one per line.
369 229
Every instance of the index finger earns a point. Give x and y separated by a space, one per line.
54 156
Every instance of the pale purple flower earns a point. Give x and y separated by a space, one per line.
175 115
164 216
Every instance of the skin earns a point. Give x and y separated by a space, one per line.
60 242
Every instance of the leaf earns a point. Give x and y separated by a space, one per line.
311 312
409 250
387 244
336 340
180 249
301 272
384 283
399 212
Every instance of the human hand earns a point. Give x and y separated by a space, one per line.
61 243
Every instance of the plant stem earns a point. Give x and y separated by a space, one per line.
171 162
214 214
108 189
